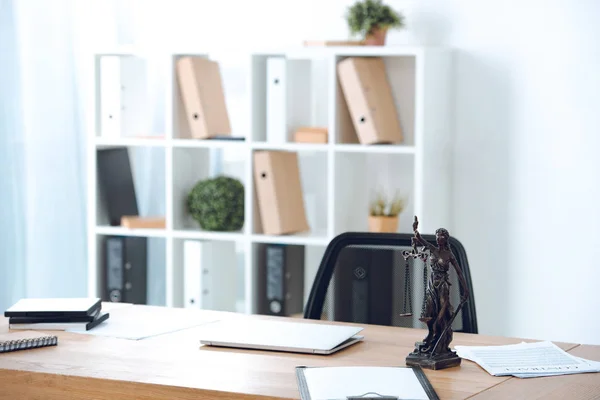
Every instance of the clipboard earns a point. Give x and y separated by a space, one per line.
364 383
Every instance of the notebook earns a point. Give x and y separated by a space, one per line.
60 326
53 307
357 382
279 335
15 341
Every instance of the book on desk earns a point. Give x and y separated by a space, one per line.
74 314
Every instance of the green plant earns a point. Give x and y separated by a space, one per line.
381 206
217 204
366 16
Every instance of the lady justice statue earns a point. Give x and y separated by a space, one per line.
434 351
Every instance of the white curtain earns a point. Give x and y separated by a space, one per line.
42 148
46 75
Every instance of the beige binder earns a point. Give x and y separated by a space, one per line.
370 101
279 192
203 97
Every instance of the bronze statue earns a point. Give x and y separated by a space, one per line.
434 351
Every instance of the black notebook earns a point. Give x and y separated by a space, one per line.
353 383
25 340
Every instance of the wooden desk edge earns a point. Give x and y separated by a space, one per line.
64 387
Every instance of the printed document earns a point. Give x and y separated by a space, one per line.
526 360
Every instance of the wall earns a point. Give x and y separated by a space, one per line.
526 124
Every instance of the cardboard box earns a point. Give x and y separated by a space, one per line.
203 97
136 222
279 192
311 135
370 101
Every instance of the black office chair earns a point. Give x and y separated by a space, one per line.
363 278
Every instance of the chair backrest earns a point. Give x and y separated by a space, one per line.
363 278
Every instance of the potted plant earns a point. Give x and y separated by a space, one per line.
217 204
383 214
372 19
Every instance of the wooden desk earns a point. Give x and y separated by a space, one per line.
175 366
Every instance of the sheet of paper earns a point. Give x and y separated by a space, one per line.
340 382
526 359
137 323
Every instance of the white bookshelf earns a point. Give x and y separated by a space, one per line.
337 177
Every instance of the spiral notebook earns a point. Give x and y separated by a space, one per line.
25 340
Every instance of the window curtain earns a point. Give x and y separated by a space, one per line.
46 92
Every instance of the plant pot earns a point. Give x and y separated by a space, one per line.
376 37
381 223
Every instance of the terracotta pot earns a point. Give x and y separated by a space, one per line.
383 224
376 37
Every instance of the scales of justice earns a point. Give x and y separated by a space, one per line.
437 312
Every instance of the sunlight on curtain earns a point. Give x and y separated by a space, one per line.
12 244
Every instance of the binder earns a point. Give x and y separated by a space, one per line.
279 192
370 100
358 382
209 275
122 96
288 98
25 340
126 269
281 279
116 185
203 97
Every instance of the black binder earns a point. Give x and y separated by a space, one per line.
126 269
116 184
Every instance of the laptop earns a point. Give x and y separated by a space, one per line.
282 335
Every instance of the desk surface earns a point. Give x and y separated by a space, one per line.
175 365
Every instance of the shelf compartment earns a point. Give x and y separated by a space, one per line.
233 75
287 94
155 265
359 176
296 276
190 166
216 285
123 96
148 196
313 169
401 75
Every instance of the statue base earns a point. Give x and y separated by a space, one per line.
426 360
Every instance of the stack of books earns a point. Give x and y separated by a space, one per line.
63 314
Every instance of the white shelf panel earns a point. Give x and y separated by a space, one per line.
290 146
310 238
208 144
103 142
376 148
120 231
207 235
310 52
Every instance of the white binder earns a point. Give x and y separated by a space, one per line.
288 98
122 96
209 275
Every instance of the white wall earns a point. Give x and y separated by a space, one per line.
526 120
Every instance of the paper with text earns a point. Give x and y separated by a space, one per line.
526 360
